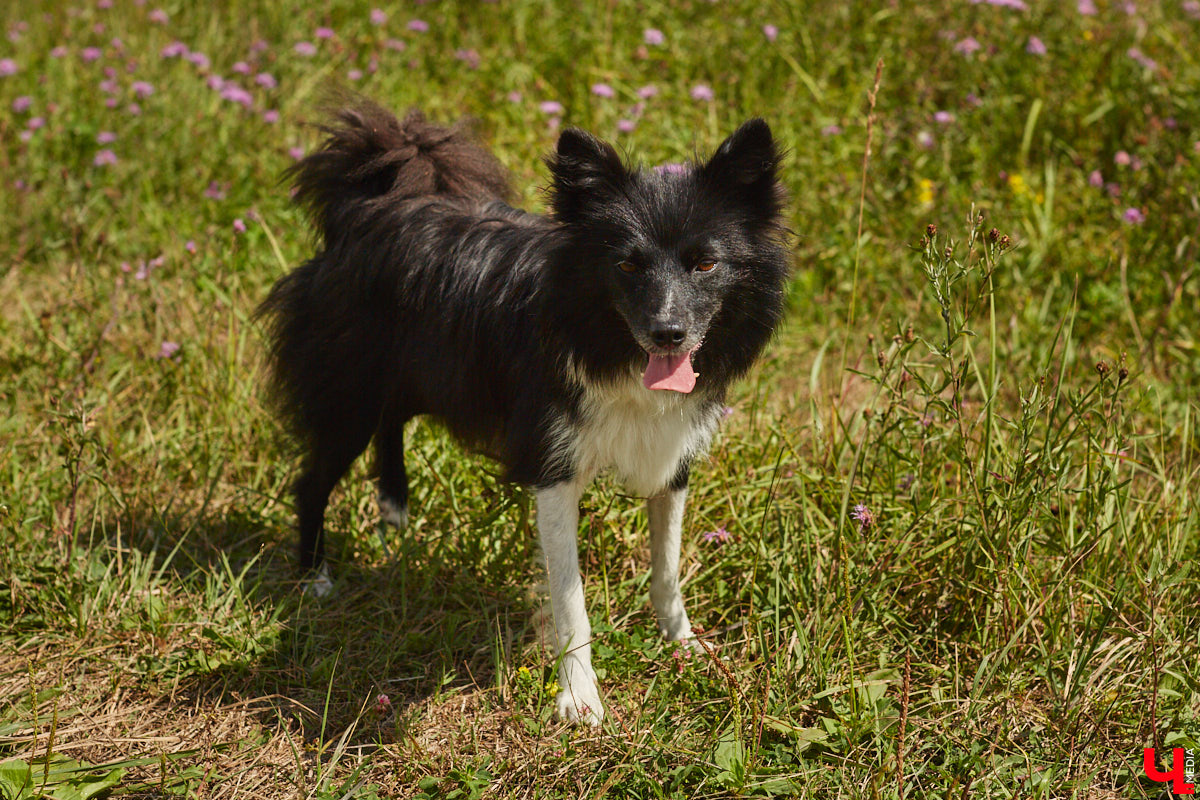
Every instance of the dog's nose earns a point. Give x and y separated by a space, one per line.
668 337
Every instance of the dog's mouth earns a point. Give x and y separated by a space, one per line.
670 371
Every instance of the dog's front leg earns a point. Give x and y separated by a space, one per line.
558 528
665 512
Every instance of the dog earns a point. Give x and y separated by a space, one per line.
601 336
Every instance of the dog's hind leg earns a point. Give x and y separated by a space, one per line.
393 480
330 457
665 512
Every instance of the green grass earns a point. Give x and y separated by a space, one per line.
1019 619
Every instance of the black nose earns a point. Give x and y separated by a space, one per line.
668 337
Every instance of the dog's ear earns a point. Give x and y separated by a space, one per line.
583 167
747 163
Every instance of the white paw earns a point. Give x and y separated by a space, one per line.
319 586
579 701
392 513
677 629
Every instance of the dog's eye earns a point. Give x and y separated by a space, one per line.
628 267
706 266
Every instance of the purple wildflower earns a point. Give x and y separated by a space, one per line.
968 46
305 49
159 16
398 45
215 191
199 59
770 32
7 67
168 349
1122 159
59 52
109 86
270 116
550 107
142 88
104 158
647 91
702 92
90 53
35 123
626 125
1017 5
468 56
239 226
105 137
236 94
296 153
926 141
323 33
653 36
383 704
378 16
1134 216
864 516
1035 46
355 74
1141 58
21 104
190 246
215 82
831 130
1086 8
174 50
133 109
720 536
1095 179
603 90
1192 8
266 80
515 97
418 26
943 117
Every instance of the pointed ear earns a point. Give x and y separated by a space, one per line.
582 166
745 166
747 157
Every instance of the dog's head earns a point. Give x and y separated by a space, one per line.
672 244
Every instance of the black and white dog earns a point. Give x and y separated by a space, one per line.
602 336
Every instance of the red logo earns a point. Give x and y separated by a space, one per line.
1178 776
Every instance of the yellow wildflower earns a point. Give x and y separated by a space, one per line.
924 191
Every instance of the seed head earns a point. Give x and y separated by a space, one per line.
993 235
931 230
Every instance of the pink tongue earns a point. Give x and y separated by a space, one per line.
670 372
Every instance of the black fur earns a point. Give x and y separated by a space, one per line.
430 295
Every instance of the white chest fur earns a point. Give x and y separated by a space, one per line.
639 433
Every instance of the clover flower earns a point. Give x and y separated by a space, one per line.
864 516
720 536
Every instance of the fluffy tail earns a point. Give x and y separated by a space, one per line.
316 315
370 160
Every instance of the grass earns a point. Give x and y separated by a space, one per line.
958 490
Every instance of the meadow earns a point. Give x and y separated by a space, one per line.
944 543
